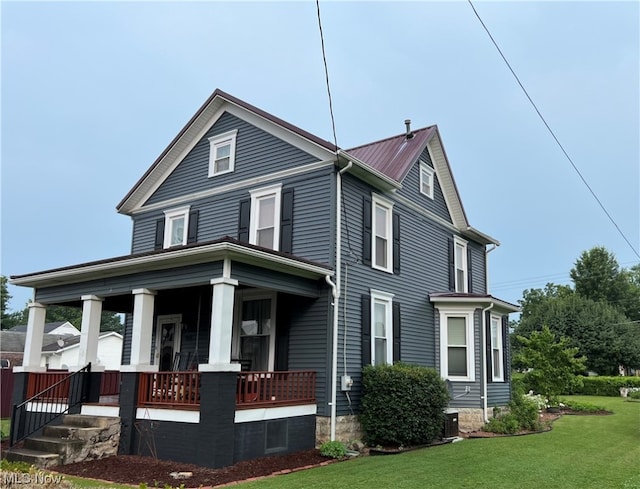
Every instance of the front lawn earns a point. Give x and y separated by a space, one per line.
580 452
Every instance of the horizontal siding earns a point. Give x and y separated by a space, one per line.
478 268
219 214
257 153
411 190
498 394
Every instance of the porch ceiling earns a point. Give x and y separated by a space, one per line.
225 248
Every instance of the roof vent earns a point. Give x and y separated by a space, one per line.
407 123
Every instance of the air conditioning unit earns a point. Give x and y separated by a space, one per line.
450 428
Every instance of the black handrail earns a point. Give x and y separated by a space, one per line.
25 423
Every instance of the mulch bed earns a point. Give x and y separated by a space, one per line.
131 469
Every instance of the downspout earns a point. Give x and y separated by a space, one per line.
336 298
484 366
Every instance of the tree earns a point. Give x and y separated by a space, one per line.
109 321
553 363
598 276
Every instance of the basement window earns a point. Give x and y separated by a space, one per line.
276 436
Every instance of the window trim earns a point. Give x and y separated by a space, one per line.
430 173
468 314
387 205
221 140
169 217
500 348
459 242
387 299
256 195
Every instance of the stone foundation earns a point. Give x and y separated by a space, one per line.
470 419
347 428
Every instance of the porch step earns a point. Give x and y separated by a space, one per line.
70 432
88 421
65 448
40 459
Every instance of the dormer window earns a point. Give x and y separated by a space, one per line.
222 153
176 225
426 180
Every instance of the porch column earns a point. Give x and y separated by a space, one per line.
221 327
142 332
33 340
90 332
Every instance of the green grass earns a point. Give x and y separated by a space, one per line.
5 424
580 452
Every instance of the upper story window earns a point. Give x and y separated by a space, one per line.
497 352
381 328
456 345
382 228
176 224
426 180
460 264
264 228
222 153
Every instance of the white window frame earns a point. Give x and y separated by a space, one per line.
241 297
426 173
170 217
497 349
218 141
256 196
385 298
459 243
468 315
387 205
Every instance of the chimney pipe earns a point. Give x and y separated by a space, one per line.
407 122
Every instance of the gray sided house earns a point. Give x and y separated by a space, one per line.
267 267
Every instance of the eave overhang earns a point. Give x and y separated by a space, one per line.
175 257
367 173
479 300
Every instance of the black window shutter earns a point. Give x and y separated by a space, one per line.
452 266
487 323
469 281
243 221
286 221
159 243
192 230
396 332
366 230
396 243
506 349
366 330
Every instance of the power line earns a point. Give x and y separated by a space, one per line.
326 75
553 134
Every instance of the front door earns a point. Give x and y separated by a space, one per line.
167 341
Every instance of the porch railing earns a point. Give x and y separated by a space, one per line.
181 390
169 389
39 382
52 402
110 383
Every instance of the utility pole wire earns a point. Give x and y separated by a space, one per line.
553 134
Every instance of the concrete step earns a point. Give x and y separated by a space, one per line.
62 447
87 421
34 457
70 432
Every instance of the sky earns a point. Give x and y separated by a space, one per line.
92 93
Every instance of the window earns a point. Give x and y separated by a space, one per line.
456 341
176 226
264 229
460 261
381 328
382 234
426 180
222 153
276 435
256 333
497 374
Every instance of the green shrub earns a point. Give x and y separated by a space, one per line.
505 424
8 466
333 449
583 407
402 404
634 395
604 386
523 415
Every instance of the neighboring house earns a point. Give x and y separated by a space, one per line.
64 352
60 328
267 267
12 344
